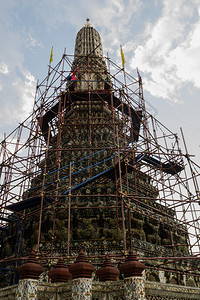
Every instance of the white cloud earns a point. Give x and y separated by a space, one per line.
17 87
17 99
4 68
112 17
169 54
32 41
186 58
25 90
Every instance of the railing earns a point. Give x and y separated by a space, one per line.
8 293
161 291
112 290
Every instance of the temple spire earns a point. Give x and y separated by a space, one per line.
88 42
88 58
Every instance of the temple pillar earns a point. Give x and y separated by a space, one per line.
134 281
81 271
82 289
27 289
134 288
29 273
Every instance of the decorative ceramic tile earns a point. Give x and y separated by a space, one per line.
169 291
108 290
82 289
79 289
134 288
162 277
27 289
8 292
52 291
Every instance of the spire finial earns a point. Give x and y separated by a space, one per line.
87 22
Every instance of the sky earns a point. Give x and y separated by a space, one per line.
159 37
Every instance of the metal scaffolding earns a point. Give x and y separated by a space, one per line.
103 147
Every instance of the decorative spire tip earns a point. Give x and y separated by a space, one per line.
87 22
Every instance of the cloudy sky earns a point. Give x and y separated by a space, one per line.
160 37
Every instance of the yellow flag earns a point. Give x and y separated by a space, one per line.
51 56
123 58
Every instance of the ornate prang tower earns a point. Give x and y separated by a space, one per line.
89 52
99 173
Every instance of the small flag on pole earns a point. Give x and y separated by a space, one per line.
123 58
51 56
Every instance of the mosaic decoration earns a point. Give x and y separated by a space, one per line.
134 288
82 289
27 289
112 290
55 291
162 277
79 289
8 292
47 291
158 291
